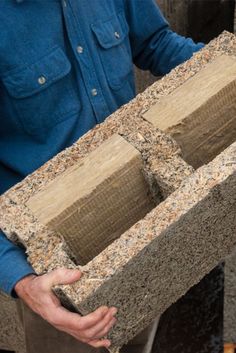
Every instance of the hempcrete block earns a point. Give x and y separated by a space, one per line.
200 115
164 170
181 240
93 203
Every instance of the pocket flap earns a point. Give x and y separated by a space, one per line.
111 32
37 76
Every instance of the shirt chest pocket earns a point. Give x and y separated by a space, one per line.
42 93
114 49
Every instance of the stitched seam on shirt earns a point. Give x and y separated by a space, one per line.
22 68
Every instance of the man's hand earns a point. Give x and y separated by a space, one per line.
36 292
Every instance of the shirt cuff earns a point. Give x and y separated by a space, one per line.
13 265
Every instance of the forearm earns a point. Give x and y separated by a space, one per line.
164 53
154 46
13 265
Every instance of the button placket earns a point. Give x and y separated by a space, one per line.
85 62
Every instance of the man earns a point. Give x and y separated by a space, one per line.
64 67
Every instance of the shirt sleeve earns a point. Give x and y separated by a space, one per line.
154 45
13 265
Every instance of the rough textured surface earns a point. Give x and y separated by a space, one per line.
204 103
160 155
202 214
94 202
127 121
200 115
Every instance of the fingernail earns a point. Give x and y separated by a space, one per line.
105 309
114 311
108 343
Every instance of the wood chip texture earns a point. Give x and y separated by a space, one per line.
161 256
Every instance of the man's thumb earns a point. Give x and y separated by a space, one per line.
62 276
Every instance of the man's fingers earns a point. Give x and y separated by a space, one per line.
37 293
87 337
90 328
105 330
95 317
103 326
64 318
97 343
100 343
61 276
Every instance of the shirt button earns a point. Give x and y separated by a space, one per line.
94 92
41 80
64 3
117 35
80 49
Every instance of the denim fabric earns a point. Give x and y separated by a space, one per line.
64 67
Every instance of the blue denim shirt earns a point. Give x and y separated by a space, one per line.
64 67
